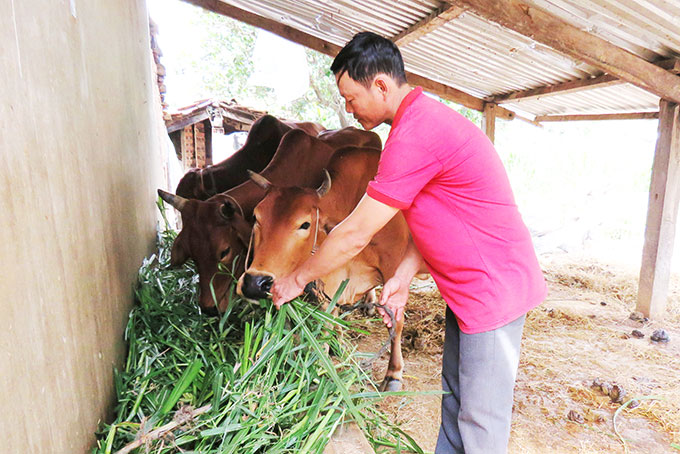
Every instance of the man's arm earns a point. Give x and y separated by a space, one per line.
344 242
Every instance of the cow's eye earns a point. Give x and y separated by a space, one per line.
304 226
225 253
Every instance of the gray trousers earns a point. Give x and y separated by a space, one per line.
480 371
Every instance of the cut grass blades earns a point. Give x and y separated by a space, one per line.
261 378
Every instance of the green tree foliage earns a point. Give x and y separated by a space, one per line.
224 58
322 102
224 63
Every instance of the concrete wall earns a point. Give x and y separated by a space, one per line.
79 165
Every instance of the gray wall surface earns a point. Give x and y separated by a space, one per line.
79 166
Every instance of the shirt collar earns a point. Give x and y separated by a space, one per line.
407 101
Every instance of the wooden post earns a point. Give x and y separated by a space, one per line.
188 153
199 144
489 121
662 213
207 127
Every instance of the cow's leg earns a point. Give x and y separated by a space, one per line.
395 368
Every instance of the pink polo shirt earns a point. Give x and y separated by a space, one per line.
445 175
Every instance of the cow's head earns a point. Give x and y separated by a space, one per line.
213 232
189 186
288 225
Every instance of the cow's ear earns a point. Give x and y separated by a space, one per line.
227 211
178 254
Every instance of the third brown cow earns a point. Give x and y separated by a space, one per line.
263 140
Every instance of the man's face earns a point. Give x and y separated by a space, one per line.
367 105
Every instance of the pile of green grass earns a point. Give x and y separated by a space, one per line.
266 375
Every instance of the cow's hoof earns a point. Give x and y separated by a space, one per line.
390 384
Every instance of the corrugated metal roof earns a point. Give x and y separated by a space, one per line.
484 59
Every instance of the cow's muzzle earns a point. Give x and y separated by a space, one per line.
256 286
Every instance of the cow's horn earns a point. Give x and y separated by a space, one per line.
326 185
174 200
259 179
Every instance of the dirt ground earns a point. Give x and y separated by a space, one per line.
582 332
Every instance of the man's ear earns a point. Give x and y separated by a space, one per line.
381 84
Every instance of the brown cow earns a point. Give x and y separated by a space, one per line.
216 231
263 140
291 221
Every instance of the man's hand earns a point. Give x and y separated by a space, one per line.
394 295
285 289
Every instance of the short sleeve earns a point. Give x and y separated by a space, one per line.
404 169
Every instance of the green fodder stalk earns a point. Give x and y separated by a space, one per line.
270 384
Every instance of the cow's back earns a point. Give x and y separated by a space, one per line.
298 161
350 136
351 168
311 128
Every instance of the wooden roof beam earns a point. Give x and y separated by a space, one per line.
182 122
605 80
572 86
325 47
436 18
547 29
596 117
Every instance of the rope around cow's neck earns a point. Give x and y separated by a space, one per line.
316 232
250 245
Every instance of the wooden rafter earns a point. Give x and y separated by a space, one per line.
325 47
437 18
569 40
596 117
181 123
605 80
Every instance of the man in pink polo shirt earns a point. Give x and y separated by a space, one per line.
444 174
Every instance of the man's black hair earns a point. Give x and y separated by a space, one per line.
368 54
